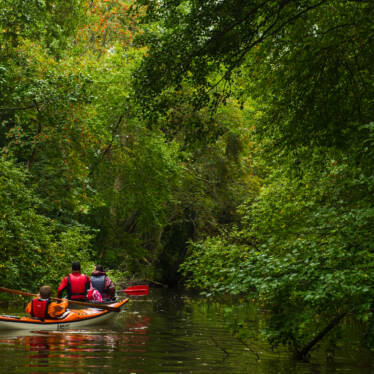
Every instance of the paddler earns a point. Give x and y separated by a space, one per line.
76 284
43 307
103 283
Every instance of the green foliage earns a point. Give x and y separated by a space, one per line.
308 65
213 265
304 251
203 42
50 21
215 177
34 248
137 189
70 117
241 134
318 88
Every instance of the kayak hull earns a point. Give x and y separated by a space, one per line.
75 318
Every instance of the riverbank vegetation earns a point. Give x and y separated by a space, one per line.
225 145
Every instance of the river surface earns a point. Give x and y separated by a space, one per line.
163 332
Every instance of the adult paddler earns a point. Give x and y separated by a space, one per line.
75 284
103 283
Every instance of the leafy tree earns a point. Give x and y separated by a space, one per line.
303 251
302 248
35 249
136 184
215 178
109 23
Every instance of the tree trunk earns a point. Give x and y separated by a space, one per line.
301 354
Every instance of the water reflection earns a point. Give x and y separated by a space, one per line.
77 351
161 333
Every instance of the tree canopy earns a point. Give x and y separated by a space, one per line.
303 246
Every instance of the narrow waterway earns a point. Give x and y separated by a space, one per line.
163 332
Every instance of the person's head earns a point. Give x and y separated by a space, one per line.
76 266
99 268
45 292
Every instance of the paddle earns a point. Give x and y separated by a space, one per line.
83 303
137 290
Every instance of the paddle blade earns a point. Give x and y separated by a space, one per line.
137 290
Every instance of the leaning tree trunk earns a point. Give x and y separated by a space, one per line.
302 353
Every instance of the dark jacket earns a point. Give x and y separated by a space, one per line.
104 284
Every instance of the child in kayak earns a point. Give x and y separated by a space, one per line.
44 308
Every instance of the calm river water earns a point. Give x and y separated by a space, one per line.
162 333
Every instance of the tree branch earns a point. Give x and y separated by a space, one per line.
18 108
300 355
39 130
222 33
218 346
108 147
266 33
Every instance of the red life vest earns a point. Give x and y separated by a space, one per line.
77 287
39 308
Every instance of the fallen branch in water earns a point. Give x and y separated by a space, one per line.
249 348
218 346
301 354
